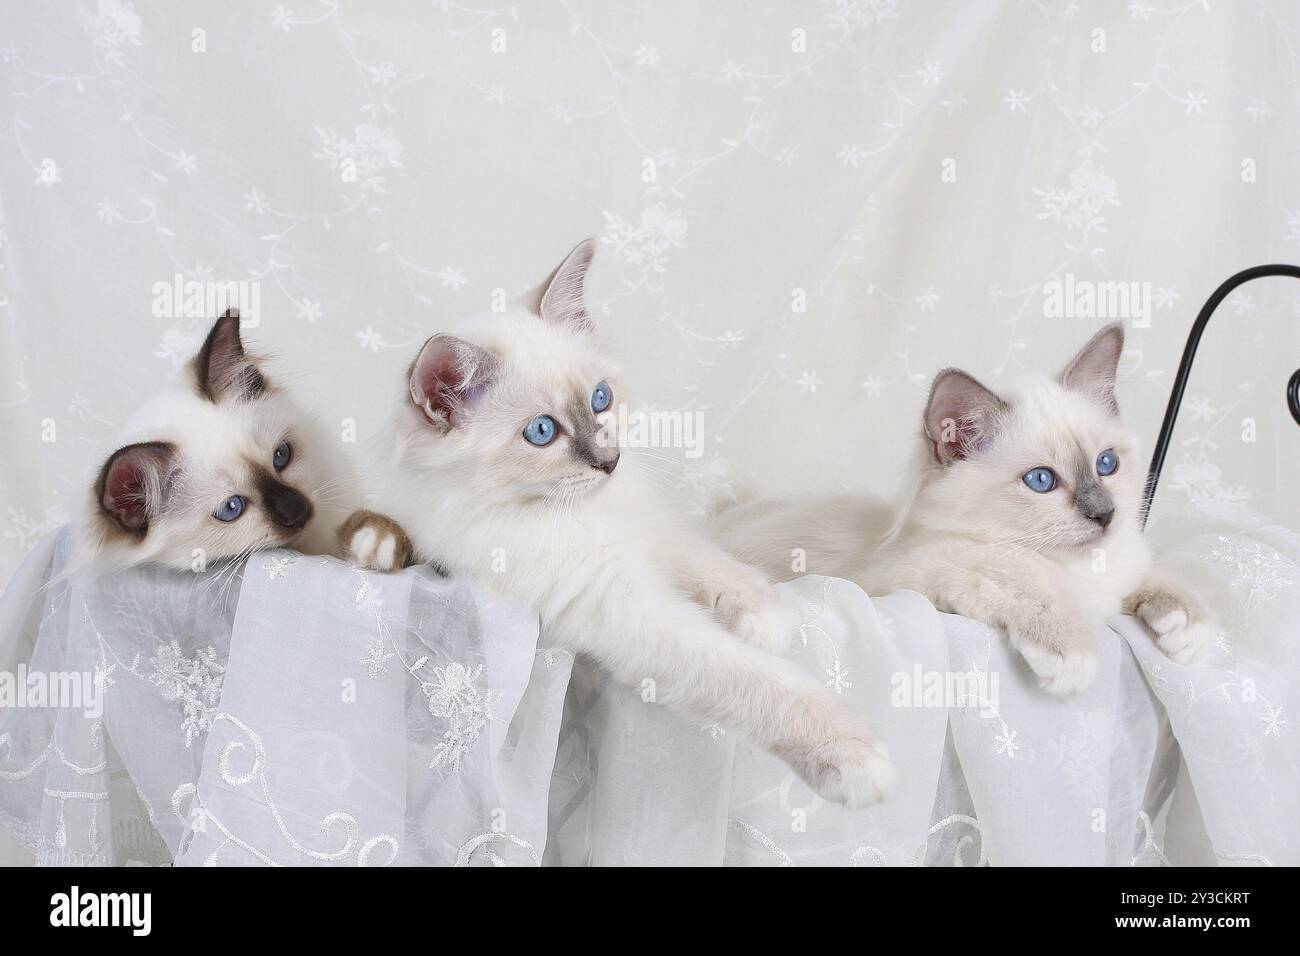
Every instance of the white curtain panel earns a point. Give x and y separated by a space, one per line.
286 711
296 711
806 209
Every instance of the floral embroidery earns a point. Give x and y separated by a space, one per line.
453 696
377 657
1273 722
837 677
1257 575
277 567
1007 744
194 681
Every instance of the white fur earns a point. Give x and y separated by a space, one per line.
216 442
975 540
606 565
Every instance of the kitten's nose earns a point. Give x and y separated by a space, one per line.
608 466
288 508
1101 517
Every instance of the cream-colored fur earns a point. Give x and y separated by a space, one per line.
222 437
591 547
977 541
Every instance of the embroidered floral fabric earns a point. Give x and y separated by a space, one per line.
805 209
288 710
296 711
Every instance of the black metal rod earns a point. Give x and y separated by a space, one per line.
1185 370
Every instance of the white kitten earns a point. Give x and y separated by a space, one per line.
502 467
1026 514
219 465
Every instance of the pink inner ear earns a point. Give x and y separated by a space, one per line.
130 477
124 494
959 416
446 377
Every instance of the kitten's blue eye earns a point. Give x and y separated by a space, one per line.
231 508
1040 480
540 431
283 455
1107 462
601 397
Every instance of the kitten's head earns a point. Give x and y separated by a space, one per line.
1049 467
219 471
521 409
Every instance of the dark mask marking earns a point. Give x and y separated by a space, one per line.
585 443
284 506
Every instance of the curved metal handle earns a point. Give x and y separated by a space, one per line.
1185 370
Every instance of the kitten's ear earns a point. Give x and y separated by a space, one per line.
960 416
132 483
1093 370
448 377
560 298
222 367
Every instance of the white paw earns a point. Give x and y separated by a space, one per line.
371 549
756 616
853 769
373 541
1061 672
1182 638
769 630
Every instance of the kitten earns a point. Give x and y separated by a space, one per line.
1026 514
503 467
218 466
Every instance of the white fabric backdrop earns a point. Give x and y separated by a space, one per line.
487 137
312 714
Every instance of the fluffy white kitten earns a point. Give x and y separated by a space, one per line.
504 467
221 464
1026 514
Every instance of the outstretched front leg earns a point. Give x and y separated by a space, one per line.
371 540
1182 627
1007 590
739 597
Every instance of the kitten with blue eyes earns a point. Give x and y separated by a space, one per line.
505 466
1026 514
222 464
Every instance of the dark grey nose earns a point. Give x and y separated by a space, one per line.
608 466
1101 517
286 507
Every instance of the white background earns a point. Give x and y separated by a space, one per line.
776 170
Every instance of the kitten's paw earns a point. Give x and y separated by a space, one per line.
853 769
1061 670
755 615
371 540
1178 624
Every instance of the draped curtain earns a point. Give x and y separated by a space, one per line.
805 210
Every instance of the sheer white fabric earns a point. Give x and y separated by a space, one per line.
289 711
804 212
781 250
297 711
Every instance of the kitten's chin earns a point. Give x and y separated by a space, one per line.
590 486
288 538
1089 539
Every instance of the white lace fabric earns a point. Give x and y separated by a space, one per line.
290 711
296 711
